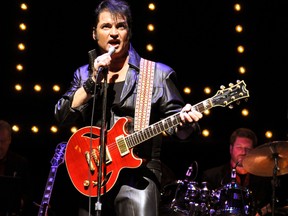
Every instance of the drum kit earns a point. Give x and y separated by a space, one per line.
193 199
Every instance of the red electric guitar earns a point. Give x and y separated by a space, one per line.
83 164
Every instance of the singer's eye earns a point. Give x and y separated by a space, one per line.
122 26
106 27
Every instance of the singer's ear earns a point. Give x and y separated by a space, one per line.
94 34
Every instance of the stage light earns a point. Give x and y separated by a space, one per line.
23 26
18 87
239 28
34 129
15 128
205 132
187 90
237 7
37 88
149 47
150 27
240 49
242 70
151 6
24 6
53 129
245 112
56 88
268 134
21 46
207 90
19 67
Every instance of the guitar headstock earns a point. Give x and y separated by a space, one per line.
226 96
58 157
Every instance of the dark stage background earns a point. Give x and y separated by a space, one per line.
196 38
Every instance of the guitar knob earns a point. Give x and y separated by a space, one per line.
86 183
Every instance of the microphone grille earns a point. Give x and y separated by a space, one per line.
111 50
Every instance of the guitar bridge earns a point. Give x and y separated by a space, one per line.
89 162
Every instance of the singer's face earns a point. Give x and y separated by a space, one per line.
112 30
241 147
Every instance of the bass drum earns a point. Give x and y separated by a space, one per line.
232 200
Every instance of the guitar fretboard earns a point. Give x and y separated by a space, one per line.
48 191
163 125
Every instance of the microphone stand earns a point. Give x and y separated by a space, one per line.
92 56
98 204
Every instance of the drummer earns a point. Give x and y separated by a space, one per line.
242 140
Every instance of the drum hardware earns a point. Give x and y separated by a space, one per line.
191 199
269 159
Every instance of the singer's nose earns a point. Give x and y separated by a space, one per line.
114 32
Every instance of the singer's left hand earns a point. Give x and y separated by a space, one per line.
189 115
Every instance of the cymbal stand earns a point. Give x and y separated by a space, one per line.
275 170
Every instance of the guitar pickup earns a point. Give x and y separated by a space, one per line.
122 145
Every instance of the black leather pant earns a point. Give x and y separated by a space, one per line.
141 198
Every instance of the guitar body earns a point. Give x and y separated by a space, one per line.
83 170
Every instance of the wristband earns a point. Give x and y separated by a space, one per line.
89 85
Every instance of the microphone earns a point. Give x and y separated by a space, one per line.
110 52
189 171
233 172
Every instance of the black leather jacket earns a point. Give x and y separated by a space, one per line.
166 101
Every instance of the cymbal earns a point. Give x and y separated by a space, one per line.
282 210
261 160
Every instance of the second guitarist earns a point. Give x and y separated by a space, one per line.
136 190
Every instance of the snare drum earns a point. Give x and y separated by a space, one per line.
232 200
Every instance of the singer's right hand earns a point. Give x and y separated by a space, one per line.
103 61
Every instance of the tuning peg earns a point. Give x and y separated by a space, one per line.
222 87
230 106
231 84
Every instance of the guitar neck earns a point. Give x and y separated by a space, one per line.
47 192
165 124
